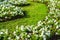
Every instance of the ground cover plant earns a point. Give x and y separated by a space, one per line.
44 30
19 2
9 11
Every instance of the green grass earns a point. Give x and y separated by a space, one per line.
35 12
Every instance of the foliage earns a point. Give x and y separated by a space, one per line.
8 11
18 2
43 31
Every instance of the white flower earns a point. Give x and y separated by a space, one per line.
6 17
1 33
5 13
49 21
39 23
14 33
48 33
9 38
42 33
16 27
22 28
6 31
17 37
46 17
51 0
28 28
28 36
57 33
57 27
54 20
44 37
56 23
58 2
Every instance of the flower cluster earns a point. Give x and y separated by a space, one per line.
53 17
26 33
8 11
18 2
54 14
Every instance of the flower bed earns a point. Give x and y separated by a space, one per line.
44 30
9 11
19 2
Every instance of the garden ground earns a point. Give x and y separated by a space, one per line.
35 12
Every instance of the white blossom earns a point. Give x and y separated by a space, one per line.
1 33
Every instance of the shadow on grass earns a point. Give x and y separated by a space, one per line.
16 17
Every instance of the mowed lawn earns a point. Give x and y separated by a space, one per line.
34 12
